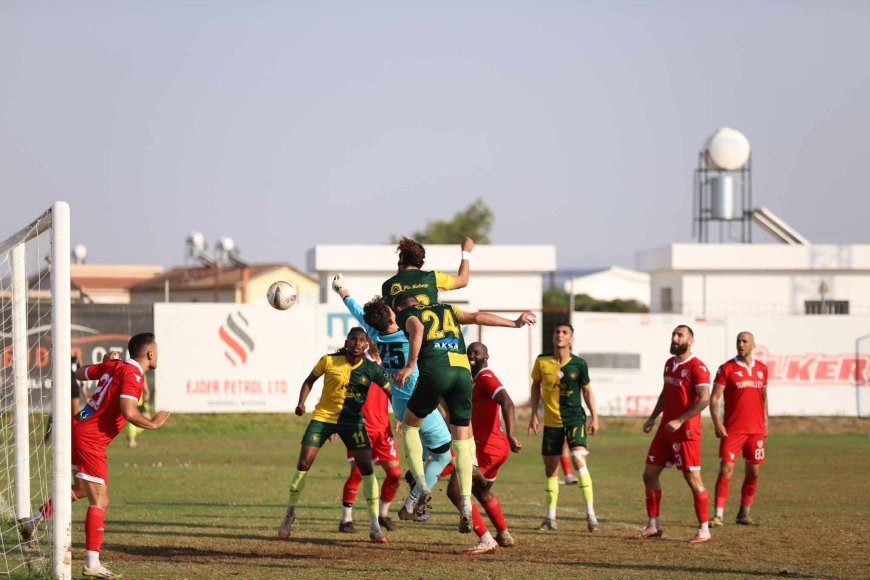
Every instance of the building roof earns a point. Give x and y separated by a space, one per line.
201 278
755 257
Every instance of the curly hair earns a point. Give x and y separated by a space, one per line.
411 253
343 350
377 314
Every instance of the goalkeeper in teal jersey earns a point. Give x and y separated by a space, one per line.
379 320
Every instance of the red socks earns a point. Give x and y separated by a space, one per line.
48 507
702 508
479 525
653 498
351 486
94 528
566 464
722 491
391 484
747 493
493 511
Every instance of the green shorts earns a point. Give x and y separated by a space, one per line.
453 384
353 436
574 433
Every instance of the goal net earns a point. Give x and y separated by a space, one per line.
35 382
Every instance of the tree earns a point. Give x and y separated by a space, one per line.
556 299
475 221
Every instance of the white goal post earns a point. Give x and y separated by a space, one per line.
23 293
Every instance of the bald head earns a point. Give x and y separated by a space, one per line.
478 356
745 346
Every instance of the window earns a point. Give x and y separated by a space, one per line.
826 307
667 299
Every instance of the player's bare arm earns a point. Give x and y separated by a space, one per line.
534 425
510 419
461 279
489 319
657 410
414 328
696 408
130 411
589 397
303 394
718 425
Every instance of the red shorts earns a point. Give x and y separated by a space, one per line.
752 445
685 455
383 447
490 459
90 464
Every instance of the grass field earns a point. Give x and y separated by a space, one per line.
202 498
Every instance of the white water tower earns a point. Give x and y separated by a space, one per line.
723 186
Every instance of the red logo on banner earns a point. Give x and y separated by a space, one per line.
239 343
815 368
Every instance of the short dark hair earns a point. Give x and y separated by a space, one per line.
405 299
687 327
139 344
377 313
568 324
411 253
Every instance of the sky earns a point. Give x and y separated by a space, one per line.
290 124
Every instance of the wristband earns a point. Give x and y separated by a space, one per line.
466 255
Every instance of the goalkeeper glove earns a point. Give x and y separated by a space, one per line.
338 283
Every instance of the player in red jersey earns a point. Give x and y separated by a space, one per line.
113 403
685 394
489 401
376 418
743 381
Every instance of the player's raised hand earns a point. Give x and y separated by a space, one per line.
467 244
300 409
534 425
649 424
111 355
403 374
515 444
526 318
160 418
338 285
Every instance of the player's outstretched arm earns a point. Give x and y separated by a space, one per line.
589 397
130 411
461 279
490 319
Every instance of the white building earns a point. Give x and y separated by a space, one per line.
614 283
505 279
714 280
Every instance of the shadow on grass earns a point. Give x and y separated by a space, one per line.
675 569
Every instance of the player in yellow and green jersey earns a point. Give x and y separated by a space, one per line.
437 348
424 285
561 380
348 376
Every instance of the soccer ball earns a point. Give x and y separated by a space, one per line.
281 295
